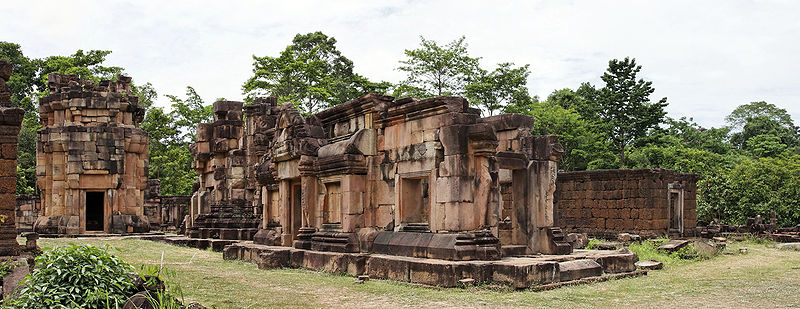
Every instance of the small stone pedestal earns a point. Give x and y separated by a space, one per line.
304 237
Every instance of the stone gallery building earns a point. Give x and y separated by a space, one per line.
91 158
409 177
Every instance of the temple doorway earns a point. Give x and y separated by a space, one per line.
95 213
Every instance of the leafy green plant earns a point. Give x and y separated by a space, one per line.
592 243
76 276
171 297
6 267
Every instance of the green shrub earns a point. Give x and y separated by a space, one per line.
592 242
6 267
76 276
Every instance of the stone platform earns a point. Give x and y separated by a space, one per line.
520 272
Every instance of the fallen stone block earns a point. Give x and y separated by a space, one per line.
673 245
649 265
577 269
524 275
618 262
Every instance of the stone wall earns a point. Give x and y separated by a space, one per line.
10 121
91 157
645 201
28 208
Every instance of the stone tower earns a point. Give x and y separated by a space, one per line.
91 158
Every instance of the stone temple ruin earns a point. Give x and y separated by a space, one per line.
415 190
422 191
406 177
91 158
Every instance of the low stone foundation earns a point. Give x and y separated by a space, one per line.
519 272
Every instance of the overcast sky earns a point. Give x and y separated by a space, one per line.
706 57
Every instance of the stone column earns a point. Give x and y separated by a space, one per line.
542 171
308 193
10 122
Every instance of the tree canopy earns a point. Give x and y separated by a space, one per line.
311 72
434 70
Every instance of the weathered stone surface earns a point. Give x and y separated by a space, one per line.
385 267
577 269
520 272
524 275
618 261
649 265
605 203
578 240
673 245
388 167
10 122
92 158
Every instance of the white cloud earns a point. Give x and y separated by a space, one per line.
706 57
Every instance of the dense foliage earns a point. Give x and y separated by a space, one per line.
311 72
75 276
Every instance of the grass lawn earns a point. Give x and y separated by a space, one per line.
762 278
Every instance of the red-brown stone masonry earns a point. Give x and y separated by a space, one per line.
607 202
10 121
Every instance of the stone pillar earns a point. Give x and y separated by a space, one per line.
10 122
545 237
286 212
308 193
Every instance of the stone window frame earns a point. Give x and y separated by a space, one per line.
400 211
323 208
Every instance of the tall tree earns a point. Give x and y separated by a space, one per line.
438 70
170 135
491 91
624 105
310 72
187 113
738 117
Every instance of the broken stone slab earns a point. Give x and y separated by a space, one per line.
706 247
649 265
628 237
578 240
577 269
789 246
673 245
619 261
466 282
610 245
